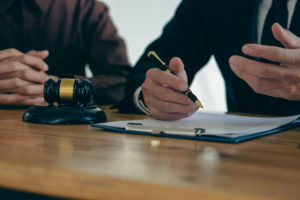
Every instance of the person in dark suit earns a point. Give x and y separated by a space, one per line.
256 47
41 39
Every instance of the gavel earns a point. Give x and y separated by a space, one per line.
68 92
75 99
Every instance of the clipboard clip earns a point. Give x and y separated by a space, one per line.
139 127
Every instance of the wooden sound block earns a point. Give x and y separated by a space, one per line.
64 115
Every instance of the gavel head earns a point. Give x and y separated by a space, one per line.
68 92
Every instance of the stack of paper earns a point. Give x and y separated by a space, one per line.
206 126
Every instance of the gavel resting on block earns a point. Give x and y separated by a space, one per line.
74 99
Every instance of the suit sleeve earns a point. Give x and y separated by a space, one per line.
107 57
185 36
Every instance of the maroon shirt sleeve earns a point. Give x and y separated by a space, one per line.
76 33
107 56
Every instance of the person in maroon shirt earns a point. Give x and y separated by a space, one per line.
41 39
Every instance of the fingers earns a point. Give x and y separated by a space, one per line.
7 53
177 67
158 114
13 66
29 90
272 87
34 62
22 77
288 55
170 107
27 75
11 98
165 93
34 76
29 60
19 86
258 84
162 100
267 79
40 54
166 110
33 101
241 65
12 83
166 79
287 38
272 53
17 99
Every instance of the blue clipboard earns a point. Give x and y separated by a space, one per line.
200 137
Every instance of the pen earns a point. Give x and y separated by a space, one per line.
156 59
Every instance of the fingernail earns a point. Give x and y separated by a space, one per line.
46 67
247 49
45 51
233 62
196 107
41 100
277 24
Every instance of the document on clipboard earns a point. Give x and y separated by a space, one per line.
206 126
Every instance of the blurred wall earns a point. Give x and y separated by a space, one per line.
141 21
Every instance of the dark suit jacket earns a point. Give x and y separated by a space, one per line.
201 29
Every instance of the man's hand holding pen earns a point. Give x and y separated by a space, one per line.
163 92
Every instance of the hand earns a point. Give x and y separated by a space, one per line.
56 78
269 79
22 76
163 93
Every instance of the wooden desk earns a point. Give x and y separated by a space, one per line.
82 162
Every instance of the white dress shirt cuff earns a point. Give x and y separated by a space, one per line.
138 102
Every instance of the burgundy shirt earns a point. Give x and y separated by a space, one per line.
76 33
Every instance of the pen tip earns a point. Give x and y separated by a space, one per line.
199 104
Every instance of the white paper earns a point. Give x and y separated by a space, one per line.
224 125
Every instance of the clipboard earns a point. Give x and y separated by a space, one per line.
157 128
139 127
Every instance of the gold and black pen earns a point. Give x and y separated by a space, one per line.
156 59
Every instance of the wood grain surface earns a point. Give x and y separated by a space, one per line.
82 162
